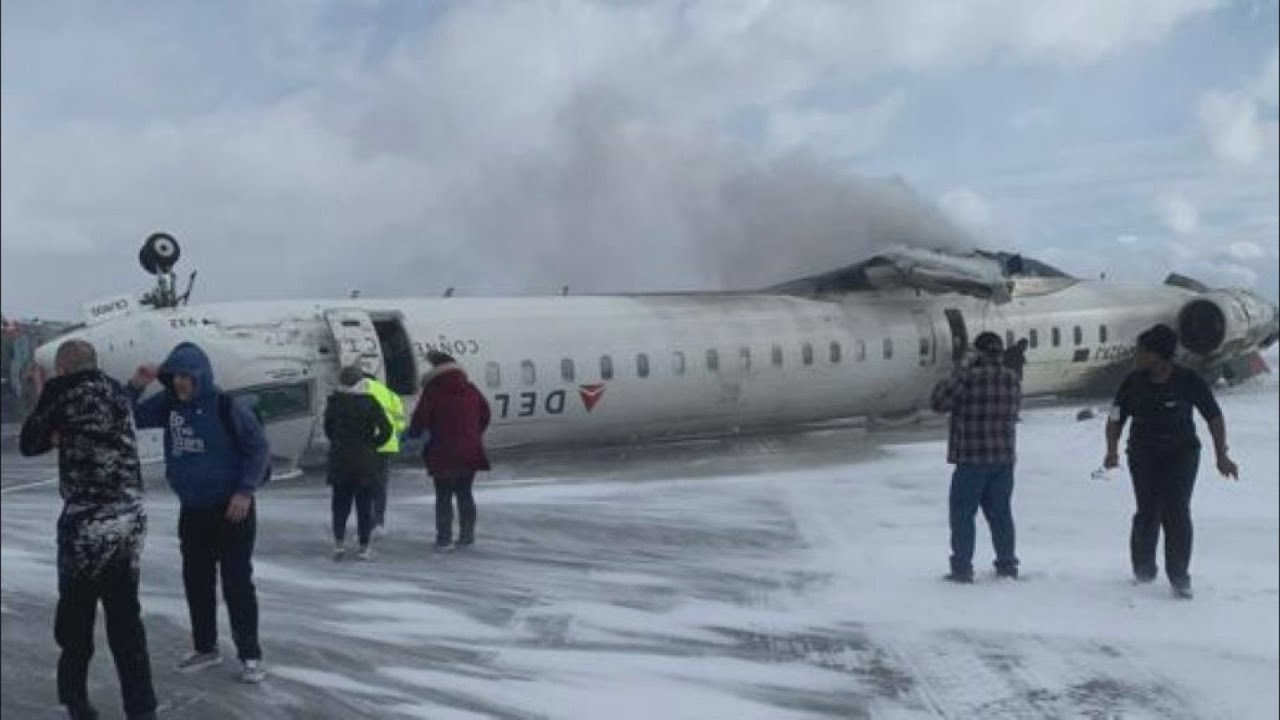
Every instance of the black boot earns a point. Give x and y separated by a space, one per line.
82 712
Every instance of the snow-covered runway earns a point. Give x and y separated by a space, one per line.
790 577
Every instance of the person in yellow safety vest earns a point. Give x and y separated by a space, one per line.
391 404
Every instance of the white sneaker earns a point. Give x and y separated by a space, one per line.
339 552
252 672
379 532
198 661
366 553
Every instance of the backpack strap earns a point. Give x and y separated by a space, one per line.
228 423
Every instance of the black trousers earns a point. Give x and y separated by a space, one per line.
380 491
344 495
447 488
78 597
1162 486
211 543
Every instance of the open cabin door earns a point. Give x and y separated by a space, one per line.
357 340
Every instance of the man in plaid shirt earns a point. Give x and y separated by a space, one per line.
983 398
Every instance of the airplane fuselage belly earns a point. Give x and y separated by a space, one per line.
604 368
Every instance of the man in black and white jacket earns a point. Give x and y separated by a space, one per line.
86 415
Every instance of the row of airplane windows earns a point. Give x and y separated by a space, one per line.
679 362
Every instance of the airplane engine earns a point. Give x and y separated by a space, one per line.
1226 322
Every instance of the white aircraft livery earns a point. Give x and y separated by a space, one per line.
867 340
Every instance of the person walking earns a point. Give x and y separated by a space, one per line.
86 416
1164 453
455 414
393 407
356 427
216 456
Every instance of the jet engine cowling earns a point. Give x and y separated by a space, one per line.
1226 322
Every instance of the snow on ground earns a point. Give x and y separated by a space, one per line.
778 577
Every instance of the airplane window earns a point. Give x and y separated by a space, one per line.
713 361
677 362
566 369
835 352
1033 338
492 375
606 367
1056 336
806 353
642 365
527 372
862 350
888 348
777 355
744 358
278 402
1102 333
1077 335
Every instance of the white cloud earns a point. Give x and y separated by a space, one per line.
1233 119
1245 251
1127 239
1179 214
1235 131
968 208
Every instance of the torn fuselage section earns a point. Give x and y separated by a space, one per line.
987 275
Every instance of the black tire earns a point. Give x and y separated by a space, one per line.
159 253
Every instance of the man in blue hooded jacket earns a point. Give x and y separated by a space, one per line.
216 455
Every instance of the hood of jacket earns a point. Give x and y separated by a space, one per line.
188 359
360 388
449 377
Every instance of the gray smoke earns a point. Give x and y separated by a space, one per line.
607 203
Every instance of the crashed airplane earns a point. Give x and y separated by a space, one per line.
865 340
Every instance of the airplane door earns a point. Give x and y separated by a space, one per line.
959 334
357 340
928 351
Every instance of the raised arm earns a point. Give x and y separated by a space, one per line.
154 411
41 425
947 391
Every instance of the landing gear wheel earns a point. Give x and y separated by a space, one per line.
159 253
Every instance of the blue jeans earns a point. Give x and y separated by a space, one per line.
989 487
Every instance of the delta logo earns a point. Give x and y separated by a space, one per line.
591 395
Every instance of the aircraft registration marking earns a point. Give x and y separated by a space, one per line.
1108 353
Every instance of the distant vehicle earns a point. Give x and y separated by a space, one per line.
865 340
18 342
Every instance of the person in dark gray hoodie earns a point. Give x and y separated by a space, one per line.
356 427
85 414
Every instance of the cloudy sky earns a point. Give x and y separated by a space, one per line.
302 148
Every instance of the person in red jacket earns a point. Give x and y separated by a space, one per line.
454 414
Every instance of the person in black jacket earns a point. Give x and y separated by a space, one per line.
356 427
86 415
1164 453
